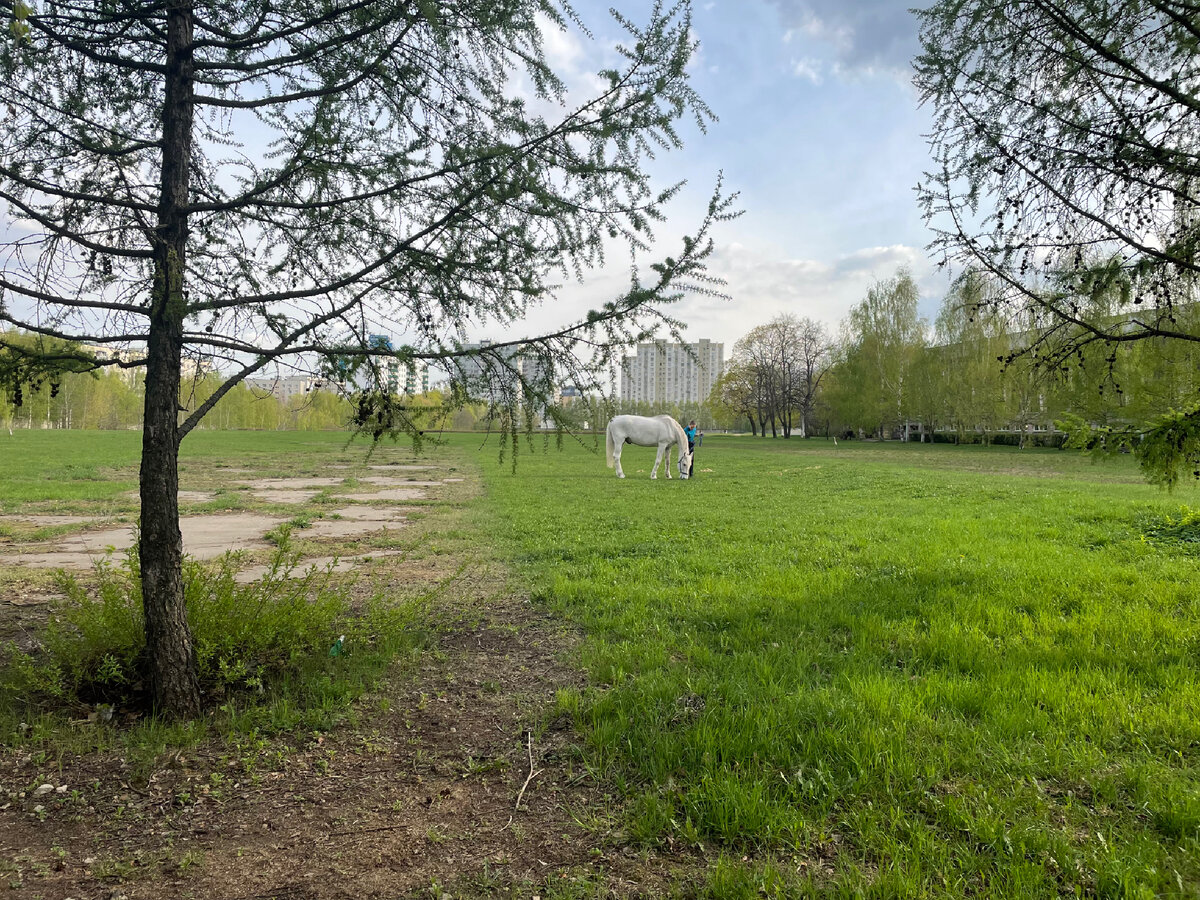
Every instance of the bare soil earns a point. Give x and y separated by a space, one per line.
421 793
204 537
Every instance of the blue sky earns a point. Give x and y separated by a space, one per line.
819 131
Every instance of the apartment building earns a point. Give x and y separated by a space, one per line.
672 372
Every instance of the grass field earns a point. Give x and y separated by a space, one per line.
871 670
902 670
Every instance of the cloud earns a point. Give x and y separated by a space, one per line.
866 35
763 286
807 68
875 259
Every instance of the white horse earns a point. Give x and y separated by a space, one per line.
659 431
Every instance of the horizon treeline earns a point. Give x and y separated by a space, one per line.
972 375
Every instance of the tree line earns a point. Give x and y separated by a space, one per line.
113 400
971 375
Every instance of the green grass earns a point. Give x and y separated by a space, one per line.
881 669
876 670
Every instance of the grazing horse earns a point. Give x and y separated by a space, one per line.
659 431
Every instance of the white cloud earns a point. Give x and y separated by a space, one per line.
763 286
867 36
807 68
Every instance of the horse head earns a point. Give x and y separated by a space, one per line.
685 464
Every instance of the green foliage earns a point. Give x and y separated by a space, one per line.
30 363
1170 448
1167 450
882 339
247 637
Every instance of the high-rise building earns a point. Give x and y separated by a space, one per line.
391 367
416 378
666 372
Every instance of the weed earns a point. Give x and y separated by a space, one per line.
1181 529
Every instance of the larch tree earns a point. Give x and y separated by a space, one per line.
252 180
1066 143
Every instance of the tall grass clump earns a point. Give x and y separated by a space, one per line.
279 632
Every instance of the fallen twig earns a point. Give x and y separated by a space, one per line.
532 773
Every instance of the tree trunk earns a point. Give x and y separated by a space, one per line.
171 657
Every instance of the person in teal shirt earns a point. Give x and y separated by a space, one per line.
690 431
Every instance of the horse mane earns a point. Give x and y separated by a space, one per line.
680 434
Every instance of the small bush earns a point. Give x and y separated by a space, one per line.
247 637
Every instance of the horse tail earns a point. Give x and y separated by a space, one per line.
608 444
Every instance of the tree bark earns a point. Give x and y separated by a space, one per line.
170 654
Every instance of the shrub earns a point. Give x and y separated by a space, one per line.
247 637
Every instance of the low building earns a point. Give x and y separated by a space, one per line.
285 387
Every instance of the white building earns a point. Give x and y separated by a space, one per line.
664 372
285 387
128 373
416 378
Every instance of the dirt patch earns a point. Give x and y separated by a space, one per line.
204 537
291 484
373 513
47 521
393 494
350 527
423 792
280 496
21 620
386 481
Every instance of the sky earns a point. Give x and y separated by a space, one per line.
819 131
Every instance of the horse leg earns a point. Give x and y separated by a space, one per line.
617 460
657 460
667 461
